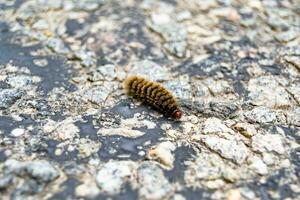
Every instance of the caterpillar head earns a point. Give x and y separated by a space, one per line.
177 114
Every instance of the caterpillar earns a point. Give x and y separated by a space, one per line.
153 94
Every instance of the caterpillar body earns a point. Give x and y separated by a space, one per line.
153 94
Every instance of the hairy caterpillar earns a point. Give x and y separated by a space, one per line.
153 94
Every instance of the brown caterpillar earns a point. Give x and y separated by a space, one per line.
153 94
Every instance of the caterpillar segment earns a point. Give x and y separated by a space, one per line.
153 94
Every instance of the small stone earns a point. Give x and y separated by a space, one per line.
88 189
293 60
258 166
234 194
87 147
287 35
184 15
201 90
57 45
163 153
108 71
171 32
214 125
8 97
5 181
174 35
261 115
97 94
20 81
181 89
266 91
205 167
229 149
293 117
88 58
269 158
176 48
160 18
13 166
41 170
214 184
40 62
177 197
248 130
125 132
218 87
63 130
149 70
113 175
18 132
152 182
247 193
223 109
41 24
268 143
294 90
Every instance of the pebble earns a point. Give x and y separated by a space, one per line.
181 89
268 143
287 35
57 45
294 90
248 130
265 91
40 62
41 24
20 81
229 149
87 147
261 115
87 190
125 132
223 109
293 117
152 182
113 175
205 167
234 194
41 170
64 130
18 132
174 35
5 181
218 87
149 70
214 125
88 58
8 97
163 153
107 71
176 48
97 94
258 166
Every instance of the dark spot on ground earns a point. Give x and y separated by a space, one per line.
68 190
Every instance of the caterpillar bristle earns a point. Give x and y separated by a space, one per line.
153 94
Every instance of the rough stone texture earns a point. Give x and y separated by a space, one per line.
268 142
152 183
229 149
112 176
267 91
69 131
8 97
